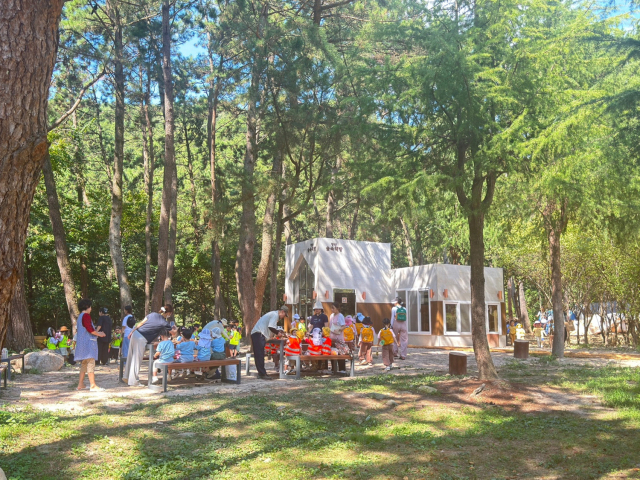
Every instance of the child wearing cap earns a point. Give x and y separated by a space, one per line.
367 337
217 351
359 319
234 339
512 331
386 339
203 349
350 333
116 342
274 348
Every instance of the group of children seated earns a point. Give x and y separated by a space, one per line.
186 345
357 333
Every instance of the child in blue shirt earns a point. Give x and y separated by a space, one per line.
217 350
204 349
164 354
186 347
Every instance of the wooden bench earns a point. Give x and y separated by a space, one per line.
168 367
18 356
4 369
323 358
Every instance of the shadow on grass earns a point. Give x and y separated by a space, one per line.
322 432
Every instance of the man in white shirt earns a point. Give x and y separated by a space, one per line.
261 333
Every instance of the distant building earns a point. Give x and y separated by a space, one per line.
358 276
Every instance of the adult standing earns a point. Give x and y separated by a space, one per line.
336 328
147 331
105 325
318 319
86 350
261 333
399 327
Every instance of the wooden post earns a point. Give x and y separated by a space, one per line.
457 363
521 349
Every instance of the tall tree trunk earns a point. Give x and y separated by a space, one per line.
215 223
481 350
247 236
20 335
477 207
149 164
115 233
510 297
328 225
407 241
173 231
524 311
194 219
419 244
28 46
59 238
267 235
169 161
353 228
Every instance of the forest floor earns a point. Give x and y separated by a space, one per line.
545 418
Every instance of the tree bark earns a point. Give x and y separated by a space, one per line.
215 224
115 231
169 161
20 335
173 231
476 207
60 240
353 228
328 224
149 164
509 299
28 46
247 236
267 236
524 312
555 222
407 241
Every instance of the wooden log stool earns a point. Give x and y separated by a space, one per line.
521 349
457 363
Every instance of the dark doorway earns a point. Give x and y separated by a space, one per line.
346 299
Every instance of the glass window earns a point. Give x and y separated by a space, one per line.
465 318
492 313
424 311
412 310
305 291
451 314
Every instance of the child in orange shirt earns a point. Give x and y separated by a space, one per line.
293 348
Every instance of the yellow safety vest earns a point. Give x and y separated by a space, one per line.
235 338
51 345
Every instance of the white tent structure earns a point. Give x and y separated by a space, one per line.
358 276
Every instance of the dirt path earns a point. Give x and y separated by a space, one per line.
57 390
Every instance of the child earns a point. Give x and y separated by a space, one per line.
292 348
53 340
164 354
116 342
315 342
131 322
186 348
386 338
234 339
520 333
512 331
349 333
275 348
538 332
359 319
64 344
367 337
204 350
217 351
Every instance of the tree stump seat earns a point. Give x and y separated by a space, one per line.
457 363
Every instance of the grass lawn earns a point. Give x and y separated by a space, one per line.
339 429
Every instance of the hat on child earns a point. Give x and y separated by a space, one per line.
296 317
367 321
348 320
64 329
215 333
359 317
205 334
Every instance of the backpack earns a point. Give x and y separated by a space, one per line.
386 336
367 335
401 314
